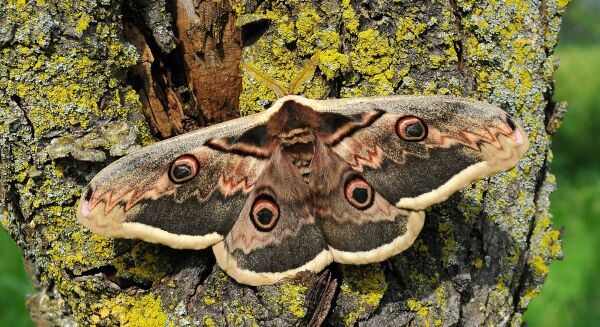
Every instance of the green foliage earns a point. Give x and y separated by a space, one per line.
571 295
577 143
581 23
14 284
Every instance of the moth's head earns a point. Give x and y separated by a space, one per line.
292 118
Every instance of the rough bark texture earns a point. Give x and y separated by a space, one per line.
77 79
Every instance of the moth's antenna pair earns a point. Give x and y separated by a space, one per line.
296 83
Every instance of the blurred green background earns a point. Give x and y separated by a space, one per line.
14 284
571 295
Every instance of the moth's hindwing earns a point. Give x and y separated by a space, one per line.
277 233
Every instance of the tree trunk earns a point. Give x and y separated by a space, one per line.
82 83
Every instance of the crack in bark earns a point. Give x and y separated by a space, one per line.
195 290
211 49
253 31
109 272
522 268
201 279
458 45
543 12
12 203
198 82
553 112
323 291
486 315
12 196
157 19
462 301
17 100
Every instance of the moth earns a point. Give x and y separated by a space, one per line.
304 183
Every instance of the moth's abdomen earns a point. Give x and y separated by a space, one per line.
301 155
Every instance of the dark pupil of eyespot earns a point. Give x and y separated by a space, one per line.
264 216
182 171
360 195
414 130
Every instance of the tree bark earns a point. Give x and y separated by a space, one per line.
83 83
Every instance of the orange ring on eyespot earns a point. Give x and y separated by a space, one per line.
411 128
183 169
264 213
359 193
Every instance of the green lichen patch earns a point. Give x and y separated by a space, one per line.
229 304
125 310
361 290
142 262
238 314
372 57
287 299
301 34
437 308
545 245
215 287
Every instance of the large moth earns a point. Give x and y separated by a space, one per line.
304 183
